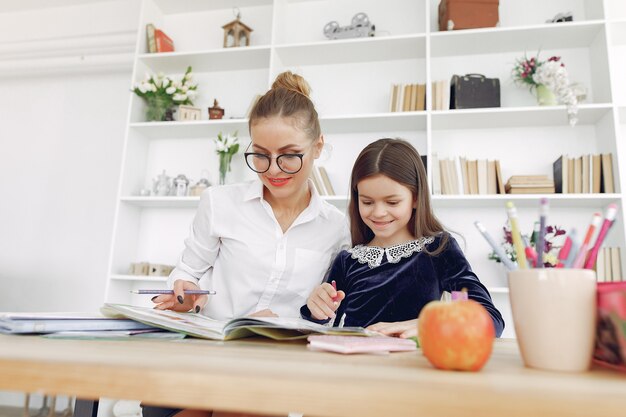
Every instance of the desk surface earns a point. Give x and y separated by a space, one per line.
269 377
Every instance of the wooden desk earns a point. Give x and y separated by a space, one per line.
269 377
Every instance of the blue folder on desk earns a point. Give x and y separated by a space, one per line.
27 323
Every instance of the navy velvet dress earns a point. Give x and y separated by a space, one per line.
395 283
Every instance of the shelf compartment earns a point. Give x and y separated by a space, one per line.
349 51
594 201
250 57
499 117
526 38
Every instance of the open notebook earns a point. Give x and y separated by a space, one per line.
192 324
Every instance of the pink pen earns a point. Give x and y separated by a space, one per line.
564 252
584 247
609 218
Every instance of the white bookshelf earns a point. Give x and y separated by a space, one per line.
351 81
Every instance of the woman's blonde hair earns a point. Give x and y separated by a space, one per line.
288 97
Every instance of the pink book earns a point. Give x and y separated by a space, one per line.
359 344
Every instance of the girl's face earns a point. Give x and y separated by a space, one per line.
277 136
386 207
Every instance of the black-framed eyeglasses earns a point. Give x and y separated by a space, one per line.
289 163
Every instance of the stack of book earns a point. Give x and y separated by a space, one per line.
322 183
463 176
407 97
440 95
529 184
609 265
584 174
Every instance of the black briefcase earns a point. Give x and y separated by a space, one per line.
472 91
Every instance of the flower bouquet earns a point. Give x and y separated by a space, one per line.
226 146
550 80
552 244
162 93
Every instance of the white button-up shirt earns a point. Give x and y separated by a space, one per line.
237 248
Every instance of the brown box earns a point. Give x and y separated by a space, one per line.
467 14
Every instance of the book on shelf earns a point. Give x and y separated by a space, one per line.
150 39
469 177
436 173
26 323
321 181
609 265
590 173
198 325
163 42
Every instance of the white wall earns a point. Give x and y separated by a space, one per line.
65 76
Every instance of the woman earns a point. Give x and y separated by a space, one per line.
262 246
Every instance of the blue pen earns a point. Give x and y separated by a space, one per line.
496 248
543 213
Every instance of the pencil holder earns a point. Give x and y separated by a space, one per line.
554 313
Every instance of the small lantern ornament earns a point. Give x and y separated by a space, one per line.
216 112
236 33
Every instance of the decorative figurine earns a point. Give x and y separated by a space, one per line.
360 28
236 33
202 184
216 112
188 112
161 185
181 182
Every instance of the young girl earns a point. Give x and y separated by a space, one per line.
402 257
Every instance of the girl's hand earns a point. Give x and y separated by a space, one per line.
263 313
403 329
321 303
193 302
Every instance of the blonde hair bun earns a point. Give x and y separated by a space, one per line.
294 82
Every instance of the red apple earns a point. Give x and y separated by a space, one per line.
456 335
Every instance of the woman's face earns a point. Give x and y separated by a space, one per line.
277 136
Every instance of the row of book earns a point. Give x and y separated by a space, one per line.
412 97
321 181
584 174
407 97
464 176
609 265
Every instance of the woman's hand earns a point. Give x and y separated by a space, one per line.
321 303
403 329
179 301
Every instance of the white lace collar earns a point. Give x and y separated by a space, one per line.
373 255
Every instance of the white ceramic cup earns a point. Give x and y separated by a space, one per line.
554 313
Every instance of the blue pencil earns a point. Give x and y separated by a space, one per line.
496 248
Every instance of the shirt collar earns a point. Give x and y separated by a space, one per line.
316 205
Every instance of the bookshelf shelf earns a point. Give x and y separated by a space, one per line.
591 201
503 117
515 39
160 202
192 129
361 123
189 6
231 59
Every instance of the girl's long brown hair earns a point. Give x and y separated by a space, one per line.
400 161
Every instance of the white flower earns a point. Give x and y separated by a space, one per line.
179 97
184 88
192 94
170 90
220 147
554 76
188 76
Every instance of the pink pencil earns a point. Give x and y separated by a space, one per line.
334 284
609 219
580 259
